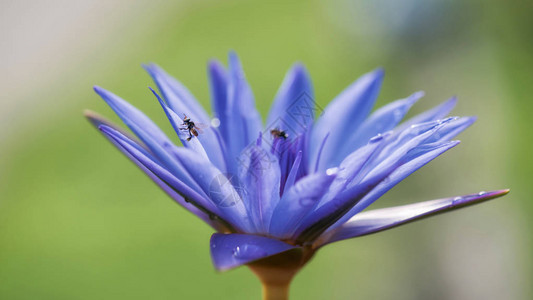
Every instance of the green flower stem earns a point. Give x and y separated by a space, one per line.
276 272
276 292
275 281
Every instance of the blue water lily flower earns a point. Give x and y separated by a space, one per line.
275 194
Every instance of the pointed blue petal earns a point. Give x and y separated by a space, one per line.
344 114
297 201
355 197
450 130
205 144
176 122
178 97
219 84
158 143
187 197
217 187
243 113
424 133
382 120
242 101
350 168
259 173
131 116
397 145
438 112
293 109
98 120
318 220
229 251
386 218
412 162
291 177
287 152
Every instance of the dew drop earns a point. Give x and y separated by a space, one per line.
248 252
332 171
482 193
376 138
215 122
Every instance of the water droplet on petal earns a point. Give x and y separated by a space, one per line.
332 171
376 138
215 122
248 252
482 193
442 121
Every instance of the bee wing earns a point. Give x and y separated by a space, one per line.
201 125
200 131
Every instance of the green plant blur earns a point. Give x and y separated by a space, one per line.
79 221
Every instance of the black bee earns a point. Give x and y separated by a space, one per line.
277 133
191 127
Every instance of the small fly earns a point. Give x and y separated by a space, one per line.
277 133
193 128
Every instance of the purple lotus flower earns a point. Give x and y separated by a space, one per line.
276 194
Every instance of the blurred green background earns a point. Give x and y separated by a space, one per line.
79 221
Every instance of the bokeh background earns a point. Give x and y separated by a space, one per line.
79 221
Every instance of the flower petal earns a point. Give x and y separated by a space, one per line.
176 122
297 201
344 114
179 191
320 219
293 109
412 162
218 188
131 116
178 97
243 114
397 145
205 144
435 113
355 197
382 120
386 218
219 84
291 177
158 143
97 120
229 251
259 173
451 129
350 168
